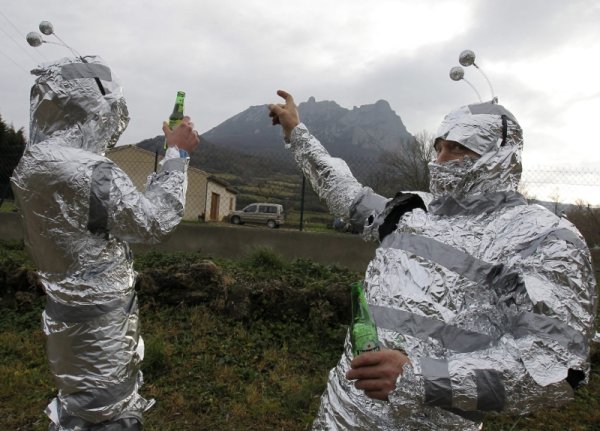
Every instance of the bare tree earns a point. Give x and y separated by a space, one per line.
406 168
555 198
587 220
525 191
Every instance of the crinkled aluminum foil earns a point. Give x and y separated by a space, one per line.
67 103
493 299
78 210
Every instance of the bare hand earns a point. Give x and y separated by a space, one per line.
376 372
285 114
183 136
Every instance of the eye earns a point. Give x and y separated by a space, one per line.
456 148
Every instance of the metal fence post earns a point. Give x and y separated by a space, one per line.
302 202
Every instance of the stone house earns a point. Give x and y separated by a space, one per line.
207 199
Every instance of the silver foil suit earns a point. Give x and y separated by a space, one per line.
493 299
79 212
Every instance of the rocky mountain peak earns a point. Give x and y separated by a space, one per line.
361 132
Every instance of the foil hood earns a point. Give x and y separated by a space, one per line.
491 131
79 103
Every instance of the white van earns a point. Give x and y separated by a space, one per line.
260 213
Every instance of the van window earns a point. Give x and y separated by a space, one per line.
250 209
270 209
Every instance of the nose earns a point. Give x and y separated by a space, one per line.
444 155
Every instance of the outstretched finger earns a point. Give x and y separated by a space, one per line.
289 99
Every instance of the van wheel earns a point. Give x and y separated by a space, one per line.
235 220
271 224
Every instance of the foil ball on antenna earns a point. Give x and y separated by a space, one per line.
467 58
46 28
34 39
457 73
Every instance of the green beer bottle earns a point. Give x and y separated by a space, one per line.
363 331
176 117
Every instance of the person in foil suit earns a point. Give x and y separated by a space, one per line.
483 302
79 211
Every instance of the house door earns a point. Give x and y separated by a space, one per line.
214 206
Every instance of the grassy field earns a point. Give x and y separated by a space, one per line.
7 206
230 345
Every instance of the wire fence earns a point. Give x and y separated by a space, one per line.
213 194
566 185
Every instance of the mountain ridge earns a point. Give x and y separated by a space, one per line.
345 133
247 143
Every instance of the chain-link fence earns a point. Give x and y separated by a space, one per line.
566 185
217 187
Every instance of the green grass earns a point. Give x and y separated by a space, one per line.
251 354
212 373
205 371
8 207
313 221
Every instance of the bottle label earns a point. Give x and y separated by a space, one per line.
363 329
364 338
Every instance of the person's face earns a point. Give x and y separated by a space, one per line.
450 150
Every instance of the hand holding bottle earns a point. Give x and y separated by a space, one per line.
183 136
376 373
374 369
175 119
363 330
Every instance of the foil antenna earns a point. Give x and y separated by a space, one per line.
35 39
467 58
457 73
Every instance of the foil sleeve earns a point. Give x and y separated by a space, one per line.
147 217
332 180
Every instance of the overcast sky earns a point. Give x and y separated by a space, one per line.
541 56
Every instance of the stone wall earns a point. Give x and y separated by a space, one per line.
230 241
